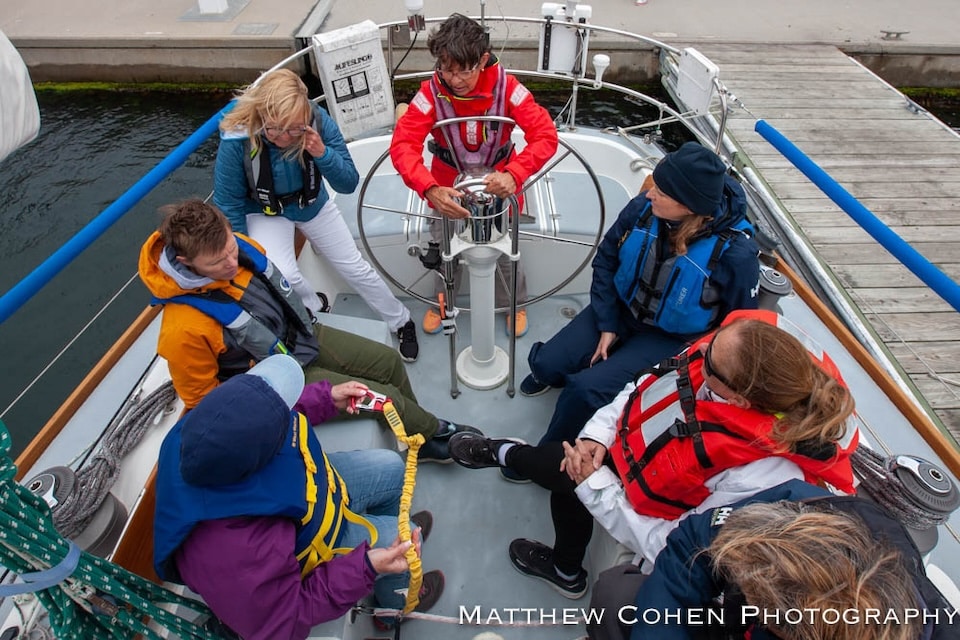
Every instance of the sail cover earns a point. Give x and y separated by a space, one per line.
19 114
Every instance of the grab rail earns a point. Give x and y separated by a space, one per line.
21 292
933 277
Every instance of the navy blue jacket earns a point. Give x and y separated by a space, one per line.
682 577
736 275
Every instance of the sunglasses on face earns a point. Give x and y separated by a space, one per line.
710 369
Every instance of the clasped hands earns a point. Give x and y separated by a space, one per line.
582 458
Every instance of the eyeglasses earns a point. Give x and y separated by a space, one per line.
710 369
463 74
293 132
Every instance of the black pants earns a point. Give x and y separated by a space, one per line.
572 523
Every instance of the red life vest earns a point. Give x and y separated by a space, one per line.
669 443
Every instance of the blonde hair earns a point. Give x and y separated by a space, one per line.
689 227
279 96
787 555
774 371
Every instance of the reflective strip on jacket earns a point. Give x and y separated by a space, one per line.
672 465
416 125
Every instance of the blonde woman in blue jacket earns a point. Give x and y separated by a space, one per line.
276 149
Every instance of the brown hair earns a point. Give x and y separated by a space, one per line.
774 371
790 556
278 96
686 231
459 39
193 227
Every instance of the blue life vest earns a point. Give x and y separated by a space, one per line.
251 335
299 483
673 294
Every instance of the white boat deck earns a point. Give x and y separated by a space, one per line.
898 161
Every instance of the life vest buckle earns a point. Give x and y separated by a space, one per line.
680 429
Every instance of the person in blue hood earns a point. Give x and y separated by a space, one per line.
276 534
679 257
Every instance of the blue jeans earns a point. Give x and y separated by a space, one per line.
374 479
564 361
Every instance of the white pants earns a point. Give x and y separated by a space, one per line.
330 237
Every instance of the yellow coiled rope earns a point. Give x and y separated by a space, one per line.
413 443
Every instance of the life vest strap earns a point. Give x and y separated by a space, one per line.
688 404
445 155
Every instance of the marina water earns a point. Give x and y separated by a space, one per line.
92 147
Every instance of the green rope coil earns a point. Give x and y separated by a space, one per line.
99 599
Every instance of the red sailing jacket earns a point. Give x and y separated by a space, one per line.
666 462
413 127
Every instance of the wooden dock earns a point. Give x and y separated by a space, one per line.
900 162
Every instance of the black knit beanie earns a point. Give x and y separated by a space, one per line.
693 176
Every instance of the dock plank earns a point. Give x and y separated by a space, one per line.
911 234
891 154
886 275
919 356
899 300
916 327
810 215
939 393
872 253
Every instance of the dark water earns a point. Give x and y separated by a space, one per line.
93 147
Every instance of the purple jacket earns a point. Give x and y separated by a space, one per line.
246 570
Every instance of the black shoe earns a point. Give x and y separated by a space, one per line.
409 348
535 559
474 451
447 429
424 520
436 449
530 387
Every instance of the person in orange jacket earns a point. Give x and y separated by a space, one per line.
470 81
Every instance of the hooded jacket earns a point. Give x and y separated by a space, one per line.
412 129
200 350
297 482
734 279
683 578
